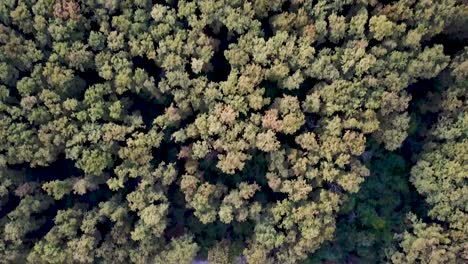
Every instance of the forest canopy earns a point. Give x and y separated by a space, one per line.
233 131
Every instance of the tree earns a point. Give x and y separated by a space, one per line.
440 176
139 132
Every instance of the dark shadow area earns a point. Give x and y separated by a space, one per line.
221 67
266 27
272 90
166 152
419 90
105 227
148 107
304 89
421 121
9 204
130 185
178 213
60 169
452 45
89 77
311 121
149 66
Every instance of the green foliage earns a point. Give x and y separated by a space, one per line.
213 128
440 175
368 220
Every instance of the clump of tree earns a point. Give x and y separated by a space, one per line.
131 130
440 175
368 220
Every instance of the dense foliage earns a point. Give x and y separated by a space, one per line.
267 131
